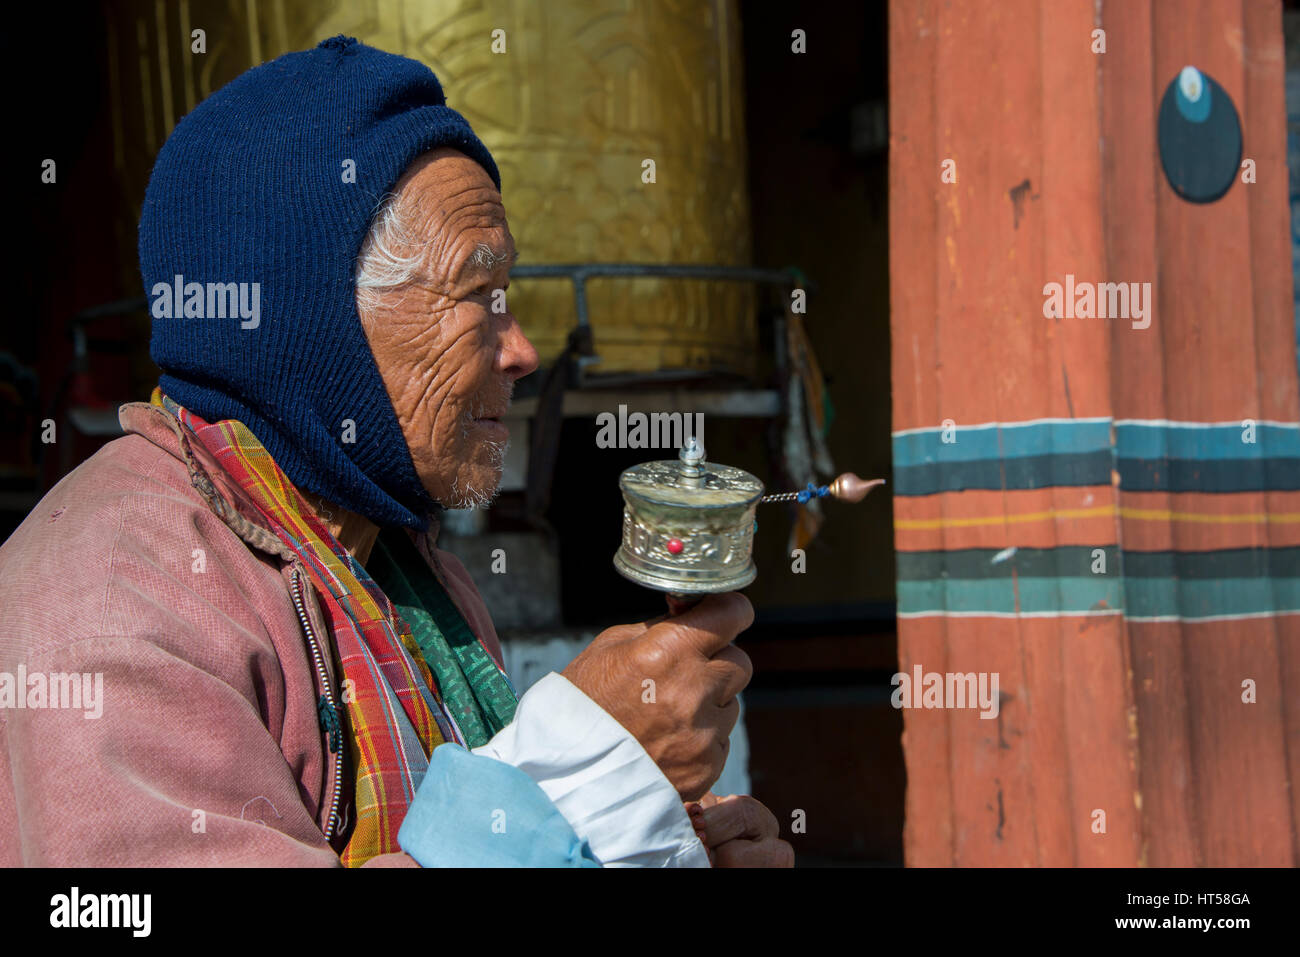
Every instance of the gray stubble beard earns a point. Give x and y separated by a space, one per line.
462 497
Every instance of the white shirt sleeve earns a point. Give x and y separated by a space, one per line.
599 777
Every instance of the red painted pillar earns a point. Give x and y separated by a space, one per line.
1082 506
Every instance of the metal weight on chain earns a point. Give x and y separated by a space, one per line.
688 526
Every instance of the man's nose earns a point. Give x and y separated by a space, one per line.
518 356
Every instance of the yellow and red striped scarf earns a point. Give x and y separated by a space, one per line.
395 714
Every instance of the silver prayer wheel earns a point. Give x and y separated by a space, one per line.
688 525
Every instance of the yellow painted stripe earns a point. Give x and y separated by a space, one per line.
1137 514
1241 518
1053 513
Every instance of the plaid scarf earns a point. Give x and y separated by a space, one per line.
394 705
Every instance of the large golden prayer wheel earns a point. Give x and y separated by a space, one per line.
572 99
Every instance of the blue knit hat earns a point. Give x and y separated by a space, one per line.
255 186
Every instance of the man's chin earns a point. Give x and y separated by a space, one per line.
475 491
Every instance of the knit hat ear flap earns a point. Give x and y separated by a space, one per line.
255 213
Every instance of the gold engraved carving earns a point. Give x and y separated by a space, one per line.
581 97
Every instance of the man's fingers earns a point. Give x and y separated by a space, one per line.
738 816
738 831
712 624
621 633
772 852
733 669
730 715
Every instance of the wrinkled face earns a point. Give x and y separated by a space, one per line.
449 359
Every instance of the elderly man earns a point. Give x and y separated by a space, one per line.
231 637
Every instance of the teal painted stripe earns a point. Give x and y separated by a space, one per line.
1188 585
1141 598
1000 440
1134 440
1206 442
1189 598
998 595
1149 456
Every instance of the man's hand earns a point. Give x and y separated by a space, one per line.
738 831
682 719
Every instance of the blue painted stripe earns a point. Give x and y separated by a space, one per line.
1212 442
998 595
1149 456
999 441
1221 476
1197 598
1142 598
1023 472
1187 599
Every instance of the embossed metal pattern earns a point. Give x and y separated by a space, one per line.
684 537
663 482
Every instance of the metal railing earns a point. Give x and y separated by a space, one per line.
579 273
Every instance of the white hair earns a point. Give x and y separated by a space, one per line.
390 257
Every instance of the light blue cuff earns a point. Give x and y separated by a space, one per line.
474 811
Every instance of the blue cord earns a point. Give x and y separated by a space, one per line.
813 490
